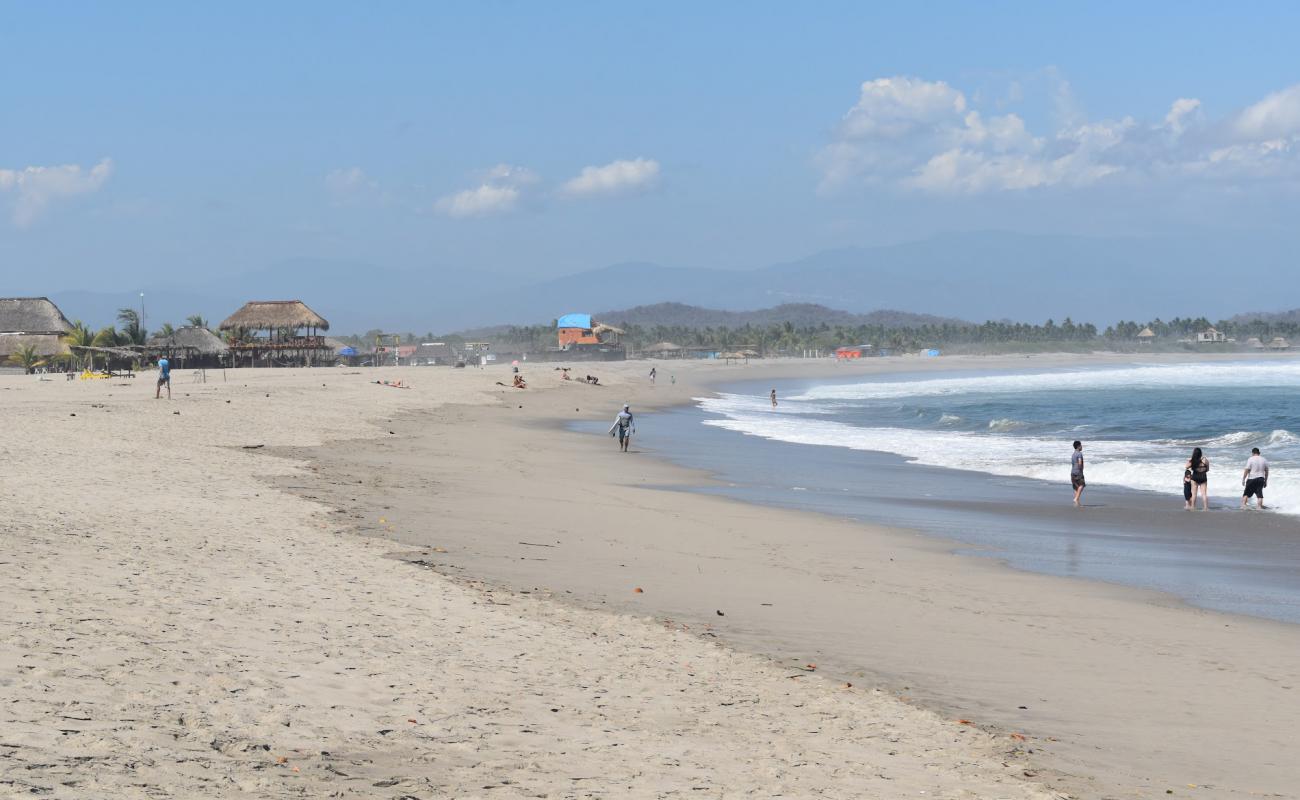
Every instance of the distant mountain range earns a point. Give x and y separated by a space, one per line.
969 276
798 314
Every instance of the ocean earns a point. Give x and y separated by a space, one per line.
1138 424
983 458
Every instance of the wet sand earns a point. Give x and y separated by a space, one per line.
1119 692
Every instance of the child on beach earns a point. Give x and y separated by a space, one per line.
1187 489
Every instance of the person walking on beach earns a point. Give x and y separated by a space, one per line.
774 398
1254 478
164 379
1076 471
623 427
1200 467
654 373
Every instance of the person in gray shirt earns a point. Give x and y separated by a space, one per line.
1076 471
1254 478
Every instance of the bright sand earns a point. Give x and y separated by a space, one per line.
173 626
173 622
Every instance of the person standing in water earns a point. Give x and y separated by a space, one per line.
623 427
1254 478
1200 467
1076 471
774 398
164 379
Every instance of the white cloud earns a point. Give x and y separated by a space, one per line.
613 178
892 107
38 187
502 187
351 185
1276 115
1175 120
481 201
349 180
928 136
511 175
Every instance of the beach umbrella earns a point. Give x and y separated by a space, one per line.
347 351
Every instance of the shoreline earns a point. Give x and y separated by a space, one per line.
486 563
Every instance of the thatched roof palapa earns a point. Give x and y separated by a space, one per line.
266 314
192 339
31 321
663 347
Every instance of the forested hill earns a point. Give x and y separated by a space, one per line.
800 315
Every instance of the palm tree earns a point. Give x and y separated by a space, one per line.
79 336
166 329
107 337
131 330
27 358
196 321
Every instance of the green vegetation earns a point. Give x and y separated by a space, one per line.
900 335
27 358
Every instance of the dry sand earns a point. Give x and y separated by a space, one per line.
174 626
1120 692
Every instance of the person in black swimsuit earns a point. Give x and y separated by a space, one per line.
1200 467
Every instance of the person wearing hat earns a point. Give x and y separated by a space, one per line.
623 427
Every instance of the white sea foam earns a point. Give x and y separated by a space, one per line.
1273 373
1144 465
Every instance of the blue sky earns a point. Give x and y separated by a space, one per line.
146 142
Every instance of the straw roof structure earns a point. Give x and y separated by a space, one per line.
266 314
31 321
192 339
663 347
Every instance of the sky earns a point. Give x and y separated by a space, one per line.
151 142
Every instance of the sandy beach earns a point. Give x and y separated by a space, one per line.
176 626
1123 692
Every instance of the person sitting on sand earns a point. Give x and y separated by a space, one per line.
593 380
623 427
164 379
519 382
1200 467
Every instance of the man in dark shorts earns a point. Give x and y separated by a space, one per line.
1076 471
164 379
1254 478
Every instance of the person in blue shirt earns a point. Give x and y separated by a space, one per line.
164 378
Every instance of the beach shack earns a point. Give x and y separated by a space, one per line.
850 352
580 335
1279 343
1211 336
277 333
1146 336
34 322
190 347
663 350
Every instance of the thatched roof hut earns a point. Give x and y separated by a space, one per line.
191 339
273 314
32 321
663 347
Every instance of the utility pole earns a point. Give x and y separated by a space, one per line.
142 327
